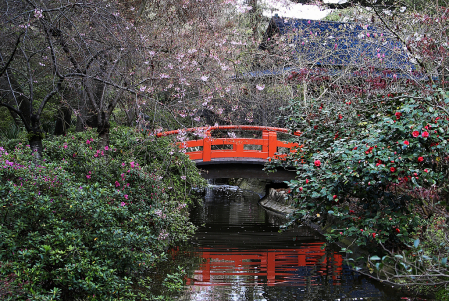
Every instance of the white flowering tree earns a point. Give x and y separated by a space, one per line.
51 46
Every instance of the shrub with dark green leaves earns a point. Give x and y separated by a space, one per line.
372 172
368 172
88 222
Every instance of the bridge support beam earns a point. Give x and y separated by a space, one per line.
242 170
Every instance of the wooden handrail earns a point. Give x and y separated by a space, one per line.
268 142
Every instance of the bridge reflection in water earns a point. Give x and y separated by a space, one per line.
237 253
270 267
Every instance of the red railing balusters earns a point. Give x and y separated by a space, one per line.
269 143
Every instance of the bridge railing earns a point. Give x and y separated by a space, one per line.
277 265
269 143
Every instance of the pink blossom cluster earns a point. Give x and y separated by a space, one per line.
163 235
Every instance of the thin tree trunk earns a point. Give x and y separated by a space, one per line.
35 138
63 120
12 94
103 129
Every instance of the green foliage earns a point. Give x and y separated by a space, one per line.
12 131
422 265
436 238
368 168
87 222
442 295
5 118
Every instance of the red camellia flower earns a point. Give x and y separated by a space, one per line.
374 235
307 181
397 230
335 196
425 134
398 115
317 163
300 188
426 170
406 142
420 159
415 134
392 169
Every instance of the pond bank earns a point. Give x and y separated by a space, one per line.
278 200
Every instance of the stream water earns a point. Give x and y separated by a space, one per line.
238 253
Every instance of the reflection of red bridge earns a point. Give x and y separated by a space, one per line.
268 145
276 266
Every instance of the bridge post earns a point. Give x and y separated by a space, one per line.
207 147
239 148
272 143
265 141
271 267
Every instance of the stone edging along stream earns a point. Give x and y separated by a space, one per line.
277 201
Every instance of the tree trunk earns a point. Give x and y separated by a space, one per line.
255 18
103 130
35 138
36 145
63 120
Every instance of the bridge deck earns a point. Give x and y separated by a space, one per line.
217 161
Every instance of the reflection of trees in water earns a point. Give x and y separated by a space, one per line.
237 239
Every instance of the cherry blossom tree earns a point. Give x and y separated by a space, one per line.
68 44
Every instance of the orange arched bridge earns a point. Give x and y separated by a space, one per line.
233 152
210 150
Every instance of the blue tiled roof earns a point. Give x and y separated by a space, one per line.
327 72
341 44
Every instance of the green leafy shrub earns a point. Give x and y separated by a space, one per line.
442 295
11 132
87 222
368 171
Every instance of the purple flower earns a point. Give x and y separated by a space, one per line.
126 196
106 147
122 204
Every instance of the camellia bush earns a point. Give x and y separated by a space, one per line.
89 222
375 175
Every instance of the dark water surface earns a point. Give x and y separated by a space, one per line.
240 255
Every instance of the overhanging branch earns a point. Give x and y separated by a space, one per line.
12 55
18 112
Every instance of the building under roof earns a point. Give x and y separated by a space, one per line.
335 46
